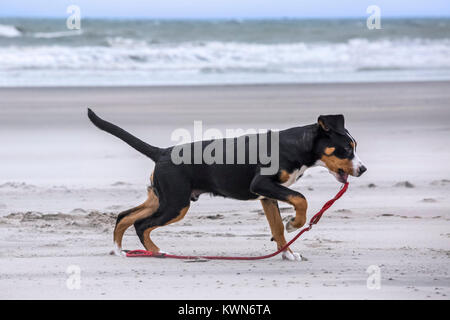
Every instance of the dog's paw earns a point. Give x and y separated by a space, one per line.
289 226
291 256
118 252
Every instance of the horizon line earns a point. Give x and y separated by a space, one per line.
230 18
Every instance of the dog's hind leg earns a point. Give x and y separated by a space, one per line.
160 218
129 217
174 200
173 187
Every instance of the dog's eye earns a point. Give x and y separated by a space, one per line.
349 150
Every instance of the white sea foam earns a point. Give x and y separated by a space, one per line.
121 42
356 54
57 34
9 31
167 61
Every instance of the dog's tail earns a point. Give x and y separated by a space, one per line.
150 151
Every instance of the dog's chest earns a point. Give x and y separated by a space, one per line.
294 176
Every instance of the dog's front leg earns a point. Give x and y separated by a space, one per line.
273 216
266 187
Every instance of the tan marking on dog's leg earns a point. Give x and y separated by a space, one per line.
283 176
273 216
180 216
301 205
126 222
148 243
144 210
121 227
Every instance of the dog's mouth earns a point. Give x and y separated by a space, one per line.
341 176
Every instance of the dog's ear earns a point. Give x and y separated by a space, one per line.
332 123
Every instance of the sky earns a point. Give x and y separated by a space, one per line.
240 9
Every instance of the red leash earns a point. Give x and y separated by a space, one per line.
314 220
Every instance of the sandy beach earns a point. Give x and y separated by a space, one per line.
62 183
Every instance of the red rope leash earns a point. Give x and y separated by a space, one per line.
314 220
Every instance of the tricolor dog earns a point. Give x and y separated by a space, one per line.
174 185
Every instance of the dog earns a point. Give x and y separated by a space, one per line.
173 186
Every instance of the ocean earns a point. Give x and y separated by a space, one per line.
43 52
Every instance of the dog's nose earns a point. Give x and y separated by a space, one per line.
361 170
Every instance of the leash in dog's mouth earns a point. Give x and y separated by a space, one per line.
342 176
314 220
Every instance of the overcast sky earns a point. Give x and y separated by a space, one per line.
224 8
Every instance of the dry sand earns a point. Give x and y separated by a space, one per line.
62 182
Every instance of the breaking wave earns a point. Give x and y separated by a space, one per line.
230 57
9 31
57 34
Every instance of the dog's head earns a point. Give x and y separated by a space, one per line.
337 148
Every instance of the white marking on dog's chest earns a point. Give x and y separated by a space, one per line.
294 176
